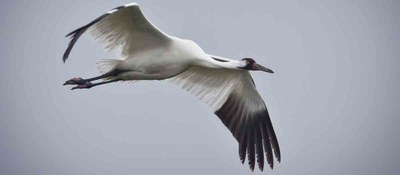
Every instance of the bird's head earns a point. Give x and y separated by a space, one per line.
250 64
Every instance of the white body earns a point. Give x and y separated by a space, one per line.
178 55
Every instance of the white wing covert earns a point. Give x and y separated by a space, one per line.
235 100
125 27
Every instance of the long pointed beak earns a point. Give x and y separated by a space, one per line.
262 68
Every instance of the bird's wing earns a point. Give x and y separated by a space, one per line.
235 100
124 27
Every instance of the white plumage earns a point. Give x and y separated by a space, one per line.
147 53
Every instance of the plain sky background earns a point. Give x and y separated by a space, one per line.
334 99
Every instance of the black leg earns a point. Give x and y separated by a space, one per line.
81 81
88 84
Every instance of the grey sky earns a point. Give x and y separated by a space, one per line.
333 100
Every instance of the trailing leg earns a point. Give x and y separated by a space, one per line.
81 81
106 66
89 85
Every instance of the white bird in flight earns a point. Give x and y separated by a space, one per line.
226 85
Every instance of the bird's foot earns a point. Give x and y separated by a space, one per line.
75 81
85 85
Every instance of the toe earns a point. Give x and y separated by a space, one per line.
86 85
74 81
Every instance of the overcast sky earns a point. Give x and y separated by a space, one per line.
334 99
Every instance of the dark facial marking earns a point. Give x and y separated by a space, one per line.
250 62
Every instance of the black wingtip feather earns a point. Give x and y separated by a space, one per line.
267 144
242 148
250 148
74 32
273 140
78 32
74 37
259 147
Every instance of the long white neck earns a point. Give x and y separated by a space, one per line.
234 64
203 59
221 62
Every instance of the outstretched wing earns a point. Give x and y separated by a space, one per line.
233 96
125 27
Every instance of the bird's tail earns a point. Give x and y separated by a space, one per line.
106 65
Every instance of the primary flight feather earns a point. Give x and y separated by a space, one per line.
226 85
